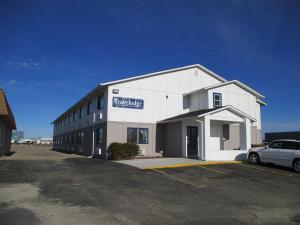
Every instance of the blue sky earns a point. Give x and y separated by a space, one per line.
53 52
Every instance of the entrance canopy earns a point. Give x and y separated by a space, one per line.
226 113
212 134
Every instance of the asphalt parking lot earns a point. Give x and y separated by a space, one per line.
75 190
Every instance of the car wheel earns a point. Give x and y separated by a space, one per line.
296 165
254 158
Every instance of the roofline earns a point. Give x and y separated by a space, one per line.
261 102
136 78
296 140
79 102
231 108
240 84
163 72
211 112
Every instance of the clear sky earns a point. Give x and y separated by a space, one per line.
53 52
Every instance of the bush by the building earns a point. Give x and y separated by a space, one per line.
119 151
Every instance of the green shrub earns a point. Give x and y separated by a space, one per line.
119 151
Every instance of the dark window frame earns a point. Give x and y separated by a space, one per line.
100 140
138 140
214 99
80 112
74 116
100 101
88 108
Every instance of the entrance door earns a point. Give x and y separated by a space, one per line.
192 141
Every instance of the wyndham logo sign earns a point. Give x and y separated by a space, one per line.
130 103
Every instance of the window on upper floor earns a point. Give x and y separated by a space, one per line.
89 106
217 99
74 116
80 112
100 101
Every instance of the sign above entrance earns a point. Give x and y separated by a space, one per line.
130 103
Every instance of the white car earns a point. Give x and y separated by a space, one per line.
280 152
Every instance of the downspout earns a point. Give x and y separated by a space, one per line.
93 144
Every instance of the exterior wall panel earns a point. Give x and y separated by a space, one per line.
173 138
117 132
5 137
163 95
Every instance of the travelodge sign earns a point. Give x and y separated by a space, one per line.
130 103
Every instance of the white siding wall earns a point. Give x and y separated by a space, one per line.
153 90
237 97
231 95
258 116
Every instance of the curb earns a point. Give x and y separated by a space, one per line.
193 164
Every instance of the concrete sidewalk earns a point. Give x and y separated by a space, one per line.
159 163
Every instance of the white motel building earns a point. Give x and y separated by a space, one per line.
182 112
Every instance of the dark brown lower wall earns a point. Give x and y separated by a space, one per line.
117 132
64 142
173 139
5 138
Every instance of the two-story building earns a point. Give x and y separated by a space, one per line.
182 112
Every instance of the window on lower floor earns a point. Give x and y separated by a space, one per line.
72 139
138 135
80 137
99 136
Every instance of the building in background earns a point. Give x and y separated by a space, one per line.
182 112
7 124
44 141
269 137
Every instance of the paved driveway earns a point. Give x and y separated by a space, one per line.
82 191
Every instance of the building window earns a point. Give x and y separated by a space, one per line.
138 135
69 119
100 101
88 110
80 112
217 97
72 139
80 137
74 116
99 136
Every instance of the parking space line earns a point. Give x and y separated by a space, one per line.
178 179
266 170
214 170
161 172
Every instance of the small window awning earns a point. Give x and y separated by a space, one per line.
204 112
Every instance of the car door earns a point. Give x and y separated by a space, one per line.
271 154
286 154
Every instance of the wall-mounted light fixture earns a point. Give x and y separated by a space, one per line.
115 91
